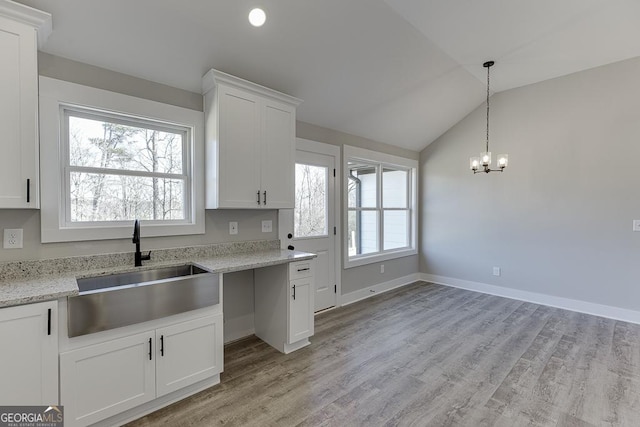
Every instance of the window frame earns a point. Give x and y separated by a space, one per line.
380 161
58 100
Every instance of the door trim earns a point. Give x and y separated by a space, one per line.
335 152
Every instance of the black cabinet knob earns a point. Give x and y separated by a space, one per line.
289 235
290 247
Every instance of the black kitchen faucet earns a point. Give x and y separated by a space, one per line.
136 239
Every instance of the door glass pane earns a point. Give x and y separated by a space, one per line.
394 188
363 232
396 225
363 185
310 213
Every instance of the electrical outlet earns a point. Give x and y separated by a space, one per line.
267 226
12 238
381 268
496 271
636 225
233 227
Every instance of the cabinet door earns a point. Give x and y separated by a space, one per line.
300 309
239 149
18 115
102 380
188 352
278 155
29 355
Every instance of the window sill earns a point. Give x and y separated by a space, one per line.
370 259
79 234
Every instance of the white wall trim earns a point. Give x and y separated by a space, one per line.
380 288
601 310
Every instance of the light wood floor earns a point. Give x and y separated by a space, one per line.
429 355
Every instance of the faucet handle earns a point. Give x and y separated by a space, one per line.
146 257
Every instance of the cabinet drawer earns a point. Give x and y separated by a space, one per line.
300 269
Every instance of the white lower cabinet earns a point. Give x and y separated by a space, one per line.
106 379
189 352
301 309
284 305
29 354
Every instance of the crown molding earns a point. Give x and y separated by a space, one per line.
41 21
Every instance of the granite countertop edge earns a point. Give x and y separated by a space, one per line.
52 287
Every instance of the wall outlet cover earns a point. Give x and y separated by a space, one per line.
636 225
12 238
496 271
233 227
267 226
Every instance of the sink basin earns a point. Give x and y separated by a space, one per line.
136 278
116 300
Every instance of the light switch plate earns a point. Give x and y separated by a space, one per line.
233 227
497 271
12 238
267 226
636 225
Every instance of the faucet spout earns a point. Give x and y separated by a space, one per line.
136 240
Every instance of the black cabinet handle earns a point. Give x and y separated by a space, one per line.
294 292
161 345
303 269
150 356
290 247
28 190
258 194
49 322
265 198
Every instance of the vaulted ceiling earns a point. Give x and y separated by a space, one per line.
400 72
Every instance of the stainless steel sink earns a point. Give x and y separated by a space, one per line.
116 300
136 278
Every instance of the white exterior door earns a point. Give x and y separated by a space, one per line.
312 224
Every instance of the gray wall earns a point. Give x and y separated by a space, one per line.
558 220
366 276
216 221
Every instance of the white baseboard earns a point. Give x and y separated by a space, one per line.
365 293
601 310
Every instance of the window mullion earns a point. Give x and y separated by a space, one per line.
126 172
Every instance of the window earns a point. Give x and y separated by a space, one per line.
380 206
118 169
120 159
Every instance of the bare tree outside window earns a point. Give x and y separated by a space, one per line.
310 213
119 171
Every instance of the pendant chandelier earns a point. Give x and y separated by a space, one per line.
483 163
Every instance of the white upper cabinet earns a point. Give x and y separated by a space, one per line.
250 144
21 28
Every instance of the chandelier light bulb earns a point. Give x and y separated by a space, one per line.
257 17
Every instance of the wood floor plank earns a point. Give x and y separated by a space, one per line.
429 355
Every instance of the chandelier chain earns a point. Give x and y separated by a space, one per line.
488 69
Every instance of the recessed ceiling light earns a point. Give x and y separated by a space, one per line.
257 17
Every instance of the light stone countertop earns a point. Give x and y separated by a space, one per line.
45 287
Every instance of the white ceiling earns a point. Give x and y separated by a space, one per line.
396 71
